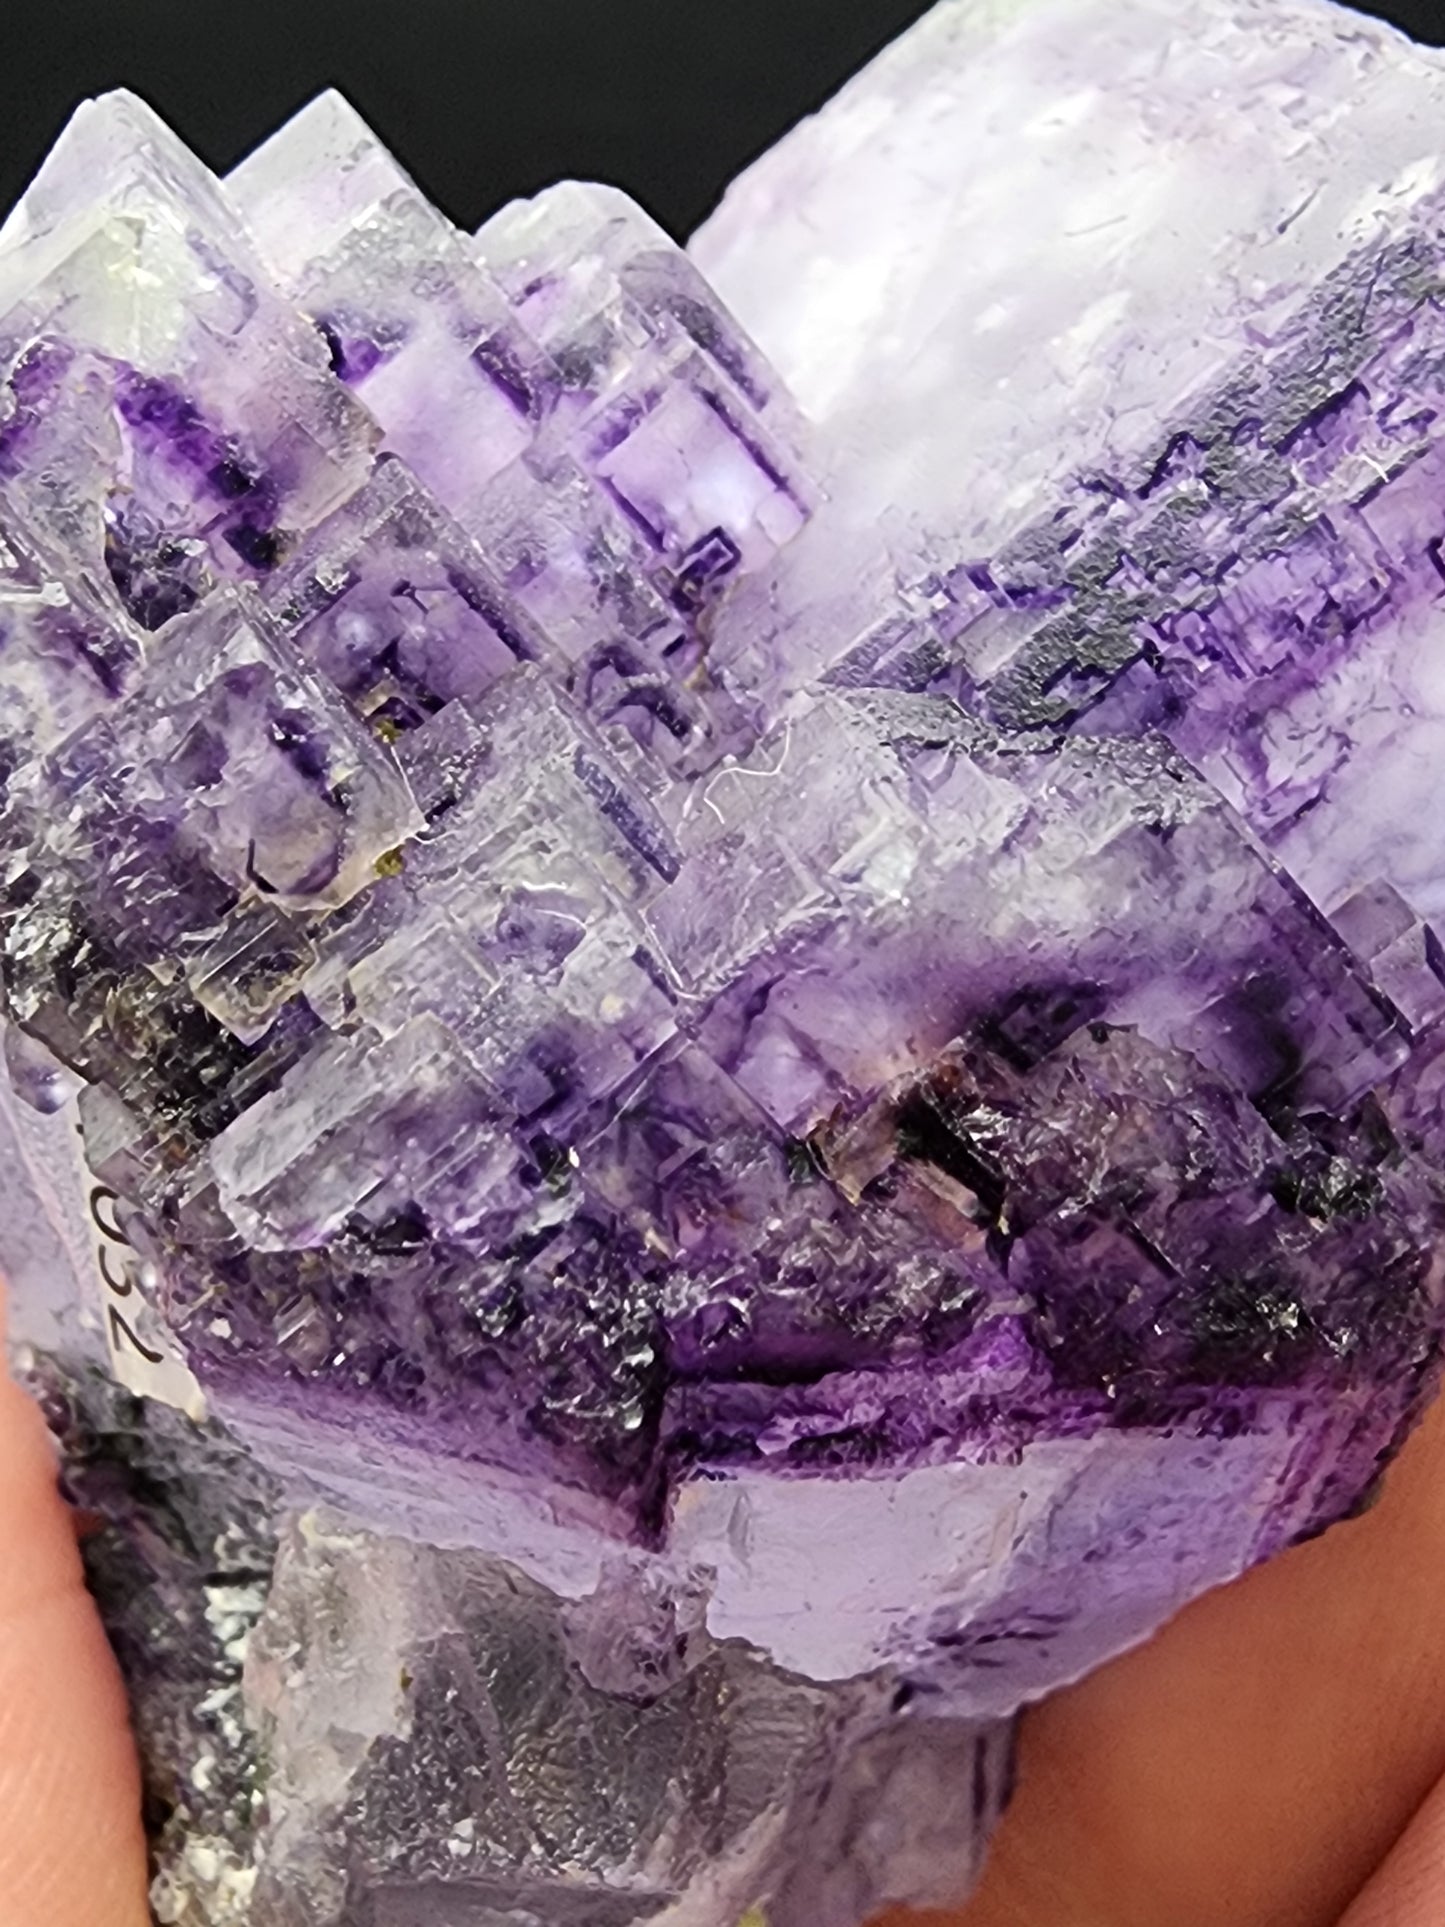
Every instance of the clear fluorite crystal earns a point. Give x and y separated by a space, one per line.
763 1026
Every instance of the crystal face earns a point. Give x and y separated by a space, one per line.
775 1063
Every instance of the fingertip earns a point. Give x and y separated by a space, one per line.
71 1850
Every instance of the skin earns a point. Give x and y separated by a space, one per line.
71 1851
1270 1760
1258 1762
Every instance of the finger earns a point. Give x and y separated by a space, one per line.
1409 1890
71 1849
1255 1762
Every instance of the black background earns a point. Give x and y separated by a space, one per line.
483 99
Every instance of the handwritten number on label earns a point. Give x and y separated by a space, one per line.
106 1222
119 1330
103 1215
122 1286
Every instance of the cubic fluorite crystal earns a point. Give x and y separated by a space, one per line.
774 1064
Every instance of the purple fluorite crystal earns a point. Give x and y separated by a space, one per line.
777 1069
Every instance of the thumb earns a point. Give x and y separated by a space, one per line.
71 1848
1409 1890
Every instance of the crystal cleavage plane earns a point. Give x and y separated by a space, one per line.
756 1029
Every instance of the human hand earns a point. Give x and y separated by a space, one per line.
71 1851
1250 1767
1257 1762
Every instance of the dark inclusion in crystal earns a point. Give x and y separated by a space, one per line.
179 1551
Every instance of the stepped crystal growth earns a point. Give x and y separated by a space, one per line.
776 1063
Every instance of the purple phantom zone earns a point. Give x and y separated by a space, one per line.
521 1036
643 1033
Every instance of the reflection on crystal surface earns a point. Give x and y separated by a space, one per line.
777 1071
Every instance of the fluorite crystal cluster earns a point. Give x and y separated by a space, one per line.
775 1064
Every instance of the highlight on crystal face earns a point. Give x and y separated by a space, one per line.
707 1085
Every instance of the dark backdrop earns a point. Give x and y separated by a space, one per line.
483 99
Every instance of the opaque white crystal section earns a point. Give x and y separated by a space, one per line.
1031 227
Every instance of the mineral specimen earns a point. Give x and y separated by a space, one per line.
768 1071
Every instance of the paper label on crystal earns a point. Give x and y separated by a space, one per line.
142 1354
83 1214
